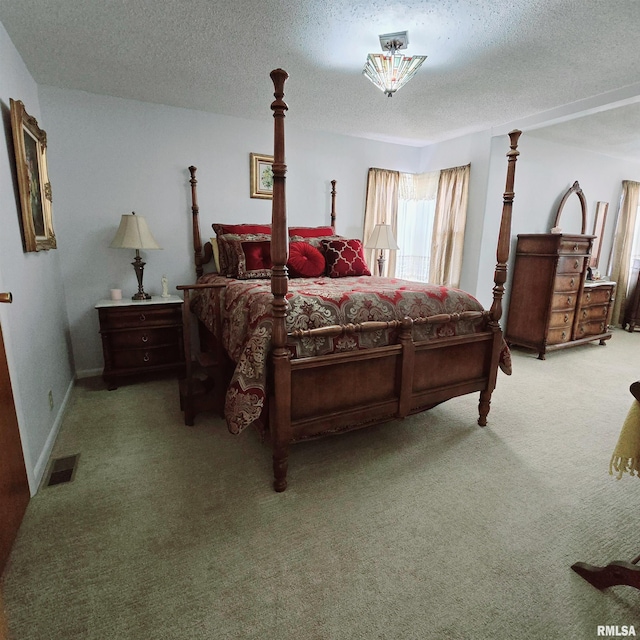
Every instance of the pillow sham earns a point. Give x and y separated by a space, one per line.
345 257
253 258
228 254
311 232
305 261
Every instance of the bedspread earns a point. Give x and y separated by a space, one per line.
245 307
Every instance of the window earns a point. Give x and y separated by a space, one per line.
416 214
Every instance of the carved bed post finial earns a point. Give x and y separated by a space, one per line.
504 237
195 221
333 205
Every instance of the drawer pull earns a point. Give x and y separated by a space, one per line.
575 247
564 335
146 357
145 338
573 282
568 299
588 297
585 313
566 318
142 317
576 264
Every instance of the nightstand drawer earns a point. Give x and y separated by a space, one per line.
141 338
136 317
593 328
597 295
145 358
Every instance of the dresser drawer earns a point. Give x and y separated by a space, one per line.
561 319
570 264
145 358
564 300
597 295
567 282
558 336
143 338
575 246
594 312
139 317
594 328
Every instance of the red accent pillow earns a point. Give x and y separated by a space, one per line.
253 258
221 229
305 261
345 258
230 250
311 232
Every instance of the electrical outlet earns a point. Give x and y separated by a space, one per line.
50 399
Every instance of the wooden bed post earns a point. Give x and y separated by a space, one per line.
504 237
333 205
195 222
280 418
500 274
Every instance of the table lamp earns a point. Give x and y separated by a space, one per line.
381 238
134 233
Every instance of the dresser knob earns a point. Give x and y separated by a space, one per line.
573 282
568 299
588 296
146 357
566 318
142 317
576 264
145 338
584 314
575 247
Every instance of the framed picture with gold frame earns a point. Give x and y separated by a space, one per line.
261 176
30 145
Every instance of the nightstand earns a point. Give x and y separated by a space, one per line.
141 337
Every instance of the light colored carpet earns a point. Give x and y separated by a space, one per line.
431 527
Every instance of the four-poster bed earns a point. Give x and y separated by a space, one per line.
307 357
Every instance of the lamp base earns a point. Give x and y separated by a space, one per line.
141 296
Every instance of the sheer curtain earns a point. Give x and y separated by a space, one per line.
449 225
623 241
416 211
381 206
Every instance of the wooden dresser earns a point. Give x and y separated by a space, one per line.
140 337
552 305
632 309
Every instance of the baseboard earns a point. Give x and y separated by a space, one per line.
88 373
35 479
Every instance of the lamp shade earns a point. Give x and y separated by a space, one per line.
391 72
133 233
382 238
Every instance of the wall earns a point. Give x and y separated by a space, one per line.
109 156
35 327
544 172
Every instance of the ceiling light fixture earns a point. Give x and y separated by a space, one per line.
392 70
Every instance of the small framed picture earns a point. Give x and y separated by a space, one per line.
30 145
598 230
261 176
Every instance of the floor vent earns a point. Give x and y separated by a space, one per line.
62 470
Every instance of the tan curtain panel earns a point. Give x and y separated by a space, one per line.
449 225
622 245
381 206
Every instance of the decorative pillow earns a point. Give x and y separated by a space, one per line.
311 232
222 229
305 261
253 258
229 254
345 258
316 242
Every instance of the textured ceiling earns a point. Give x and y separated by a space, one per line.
489 63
